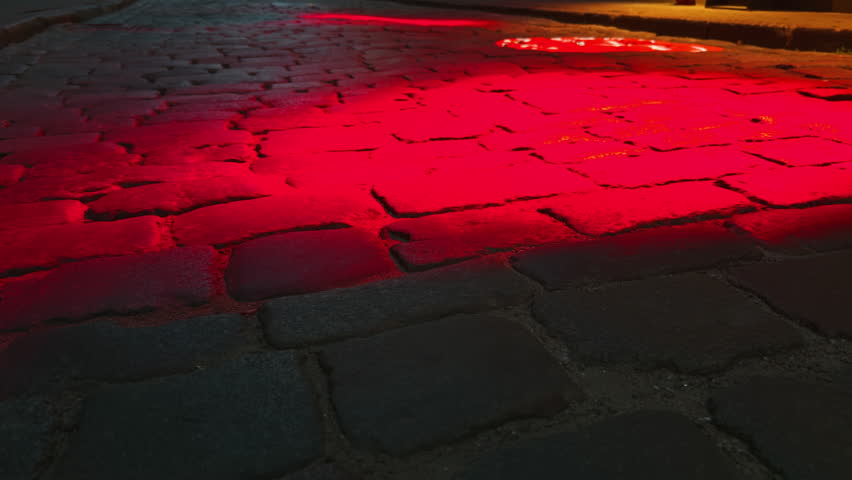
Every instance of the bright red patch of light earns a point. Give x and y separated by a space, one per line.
422 22
600 45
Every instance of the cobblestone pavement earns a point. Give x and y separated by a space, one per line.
236 242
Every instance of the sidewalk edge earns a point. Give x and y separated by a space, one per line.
793 38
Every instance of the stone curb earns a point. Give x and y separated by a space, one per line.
788 37
24 29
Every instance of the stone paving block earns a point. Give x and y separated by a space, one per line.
16 131
253 417
663 167
189 134
10 174
645 444
818 228
690 322
176 156
415 387
800 428
258 121
326 139
435 239
635 255
29 215
469 287
454 188
802 151
46 246
176 197
303 262
200 116
128 284
796 186
613 210
25 430
812 290
23 144
236 221
85 155
50 360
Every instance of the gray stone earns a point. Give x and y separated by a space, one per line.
50 360
646 445
465 288
690 322
634 255
815 291
25 425
803 429
321 471
251 418
415 387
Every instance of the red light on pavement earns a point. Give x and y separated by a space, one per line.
422 22
600 45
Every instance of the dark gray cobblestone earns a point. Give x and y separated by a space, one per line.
54 359
419 386
251 417
25 436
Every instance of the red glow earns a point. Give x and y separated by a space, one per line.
421 22
600 45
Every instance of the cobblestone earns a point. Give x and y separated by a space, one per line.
52 360
253 416
764 411
689 322
401 390
25 431
608 449
819 228
469 287
811 290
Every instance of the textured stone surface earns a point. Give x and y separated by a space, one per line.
46 246
126 284
26 215
813 290
689 322
303 262
646 444
25 428
796 186
235 221
414 387
802 151
634 255
613 210
818 228
251 417
469 287
50 359
801 428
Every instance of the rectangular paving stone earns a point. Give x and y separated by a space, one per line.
691 323
252 417
10 174
51 360
469 287
635 255
127 284
802 151
42 247
325 139
29 215
22 144
613 210
662 167
175 197
812 290
801 428
26 427
191 134
79 154
236 221
303 262
648 444
828 227
453 188
415 387
796 186
451 237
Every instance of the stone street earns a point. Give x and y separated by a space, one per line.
248 239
